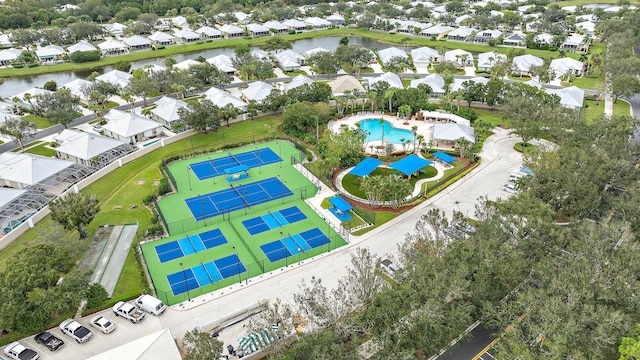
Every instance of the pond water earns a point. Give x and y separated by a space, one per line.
374 131
16 85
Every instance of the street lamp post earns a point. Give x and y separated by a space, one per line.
186 284
189 178
204 218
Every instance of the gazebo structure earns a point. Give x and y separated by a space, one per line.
444 157
365 167
340 208
410 165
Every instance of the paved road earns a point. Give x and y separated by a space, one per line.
479 338
499 159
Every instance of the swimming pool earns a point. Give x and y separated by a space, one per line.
373 129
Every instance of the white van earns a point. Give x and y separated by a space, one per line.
148 303
515 177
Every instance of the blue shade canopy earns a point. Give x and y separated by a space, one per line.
340 204
236 169
365 167
410 164
444 157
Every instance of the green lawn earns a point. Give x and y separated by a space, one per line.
593 81
41 123
621 108
351 183
592 110
491 116
587 2
523 149
41 150
382 217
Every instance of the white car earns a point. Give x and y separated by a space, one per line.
388 266
103 324
17 351
515 177
76 330
510 188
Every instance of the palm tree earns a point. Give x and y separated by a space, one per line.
126 96
347 95
403 143
381 121
372 95
420 143
414 130
389 94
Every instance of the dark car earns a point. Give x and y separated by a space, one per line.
49 340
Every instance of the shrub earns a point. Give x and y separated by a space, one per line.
164 187
149 199
159 47
85 56
156 230
96 295
17 66
467 113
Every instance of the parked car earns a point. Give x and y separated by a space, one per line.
515 177
96 127
128 312
464 227
76 330
388 266
453 233
510 188
148 303
17 351
103 324
49 340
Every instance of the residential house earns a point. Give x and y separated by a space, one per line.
458 84
137 42
521 65
345 83
231 31
243 18
461 19
516 38
424 56
151 68
447 135
81 45
485 36
294 24
51 53
586 27
179 21
89 149
5 41
570 97
112 47
460 34
386 55
223 63
436 31
543 39
166 111
27 101
317 23
390 78
159 38
77 87
410 26
567 66
435 82
260 54
115 29
459 57
576 42
289 60
297 81
116 77
130 127
9 55
276 27
336 20
221 98
185 64
209 33
488 60
257 30
187 36
21 171
256 91
314 51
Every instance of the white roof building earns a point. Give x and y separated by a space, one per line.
116 77
116 29
184 65
437 31
314 51
33 93
257 91
76 88
390 78
209 33
489 59
344 83
112 47
81 46
570 97
221 98
294 24
543 38
445 134
277 26
317 23
257 30
435 82
522 64
588 27
51 52
289 60
179 21
186 36
458 83
129 127
5 40
242 17
223 63
137 42
566 65
8 55
424 56
459 56
390 53
460 34
336 19
19 171
158 345
83 148
160 38
297 81
166 111
231 30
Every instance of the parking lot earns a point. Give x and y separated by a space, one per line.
124 333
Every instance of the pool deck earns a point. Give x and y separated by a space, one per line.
424 129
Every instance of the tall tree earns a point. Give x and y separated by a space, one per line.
74 211
202 116
201 345
19 130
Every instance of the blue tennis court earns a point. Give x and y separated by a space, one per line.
273 220
293 245
216 167
236 198
205 274
190 245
